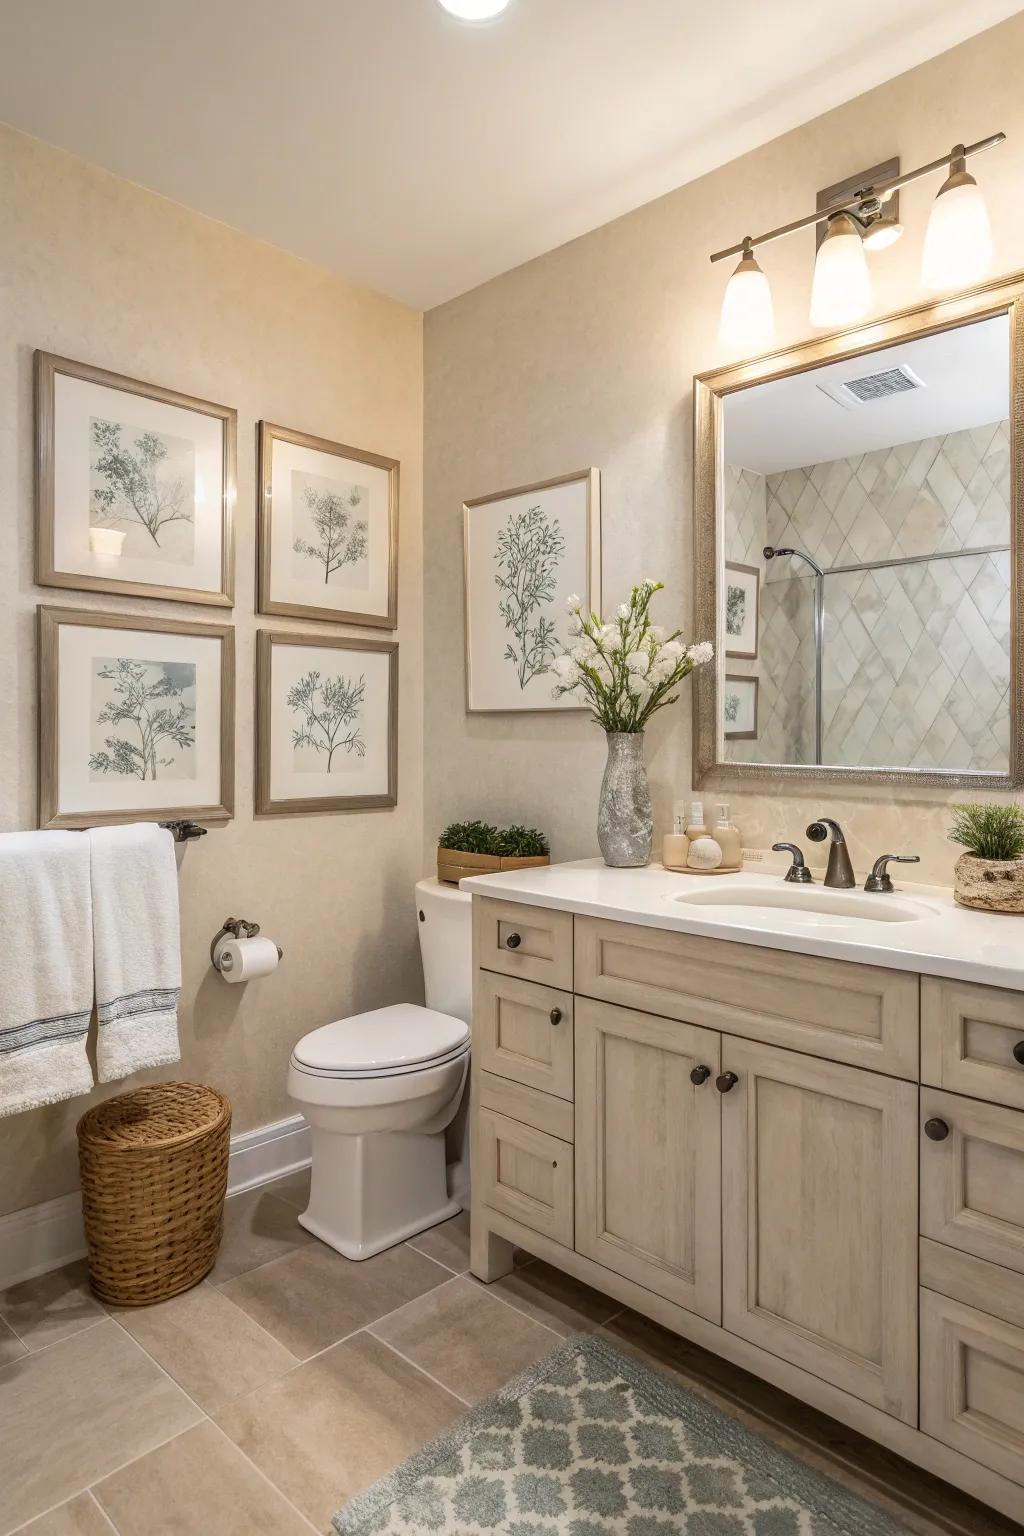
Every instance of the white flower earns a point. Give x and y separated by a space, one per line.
701 653
581 654
650 582
660 670
624 610
671 651
572 602
563 666
613 642
638 662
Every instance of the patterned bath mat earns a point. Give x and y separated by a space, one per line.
589 1442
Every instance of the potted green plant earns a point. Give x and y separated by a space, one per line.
476 848
625 669
989 874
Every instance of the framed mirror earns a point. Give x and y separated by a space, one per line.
859 552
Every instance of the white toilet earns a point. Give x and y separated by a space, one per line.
379 1090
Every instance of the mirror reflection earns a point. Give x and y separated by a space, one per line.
865 544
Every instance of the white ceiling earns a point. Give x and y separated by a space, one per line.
790 423
420 156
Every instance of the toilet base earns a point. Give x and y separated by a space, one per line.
370 1192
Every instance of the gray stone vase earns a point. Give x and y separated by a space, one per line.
625 823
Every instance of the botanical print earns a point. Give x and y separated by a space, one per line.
330 519
735 609
529 549
739 707
731 707
143 483
330 715
143 719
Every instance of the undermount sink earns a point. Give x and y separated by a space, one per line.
817 905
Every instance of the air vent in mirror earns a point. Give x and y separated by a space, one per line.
873 386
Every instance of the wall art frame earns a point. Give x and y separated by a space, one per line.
326 717
148 705
135 486
325 507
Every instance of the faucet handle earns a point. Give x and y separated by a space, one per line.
797 873
880 878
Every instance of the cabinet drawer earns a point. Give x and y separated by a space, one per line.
519 940
968 1037
517 1102
858 1014
972 1383
972 1182
962 1277
524 1031
526 1174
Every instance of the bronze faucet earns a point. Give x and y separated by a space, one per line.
840 871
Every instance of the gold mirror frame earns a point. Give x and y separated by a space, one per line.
1003 296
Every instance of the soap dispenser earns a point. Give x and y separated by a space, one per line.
675 845
728 839
696 826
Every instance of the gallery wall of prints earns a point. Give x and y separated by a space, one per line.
135 497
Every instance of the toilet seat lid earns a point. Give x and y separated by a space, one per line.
404 1035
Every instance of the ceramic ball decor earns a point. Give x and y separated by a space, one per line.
705 853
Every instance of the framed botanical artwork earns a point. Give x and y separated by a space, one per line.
328 530
739 707
526 552
136 719
742 599
326 723
135 486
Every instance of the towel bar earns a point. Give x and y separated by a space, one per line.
184 831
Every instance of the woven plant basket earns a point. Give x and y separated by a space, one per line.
154 1165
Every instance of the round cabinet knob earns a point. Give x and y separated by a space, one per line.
513 941
555 1015
1018 1052
726 1082
700 1075
936 1130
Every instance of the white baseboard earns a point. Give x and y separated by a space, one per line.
45 1236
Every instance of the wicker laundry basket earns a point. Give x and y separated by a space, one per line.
154 1166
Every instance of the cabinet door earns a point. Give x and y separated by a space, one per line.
648 1153
819 1219
523 1031
972 1177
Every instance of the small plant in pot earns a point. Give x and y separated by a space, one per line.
476 848
989 874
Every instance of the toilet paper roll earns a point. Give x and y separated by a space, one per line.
245 959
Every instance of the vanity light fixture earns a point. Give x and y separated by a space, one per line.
957 252
748 315
475 10
958 240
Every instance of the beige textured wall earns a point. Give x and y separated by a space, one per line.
97 269
586 356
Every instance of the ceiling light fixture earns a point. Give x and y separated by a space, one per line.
958 249
475 10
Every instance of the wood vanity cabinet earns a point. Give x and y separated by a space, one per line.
803 1164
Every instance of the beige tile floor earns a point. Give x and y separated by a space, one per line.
276 1390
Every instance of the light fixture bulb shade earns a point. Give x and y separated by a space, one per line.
841 291
958 240
475 10
747 322
883 233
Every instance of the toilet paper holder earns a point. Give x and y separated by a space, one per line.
236 928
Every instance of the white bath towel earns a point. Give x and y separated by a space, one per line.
137 943
46 980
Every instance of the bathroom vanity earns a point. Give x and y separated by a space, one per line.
785 1122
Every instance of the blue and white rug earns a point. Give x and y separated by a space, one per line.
589 1442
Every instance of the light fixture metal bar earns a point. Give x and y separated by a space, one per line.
957 152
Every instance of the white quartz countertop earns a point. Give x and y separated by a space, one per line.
922 930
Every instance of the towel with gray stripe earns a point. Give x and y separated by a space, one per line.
86 917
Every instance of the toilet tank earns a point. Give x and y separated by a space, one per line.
446 946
